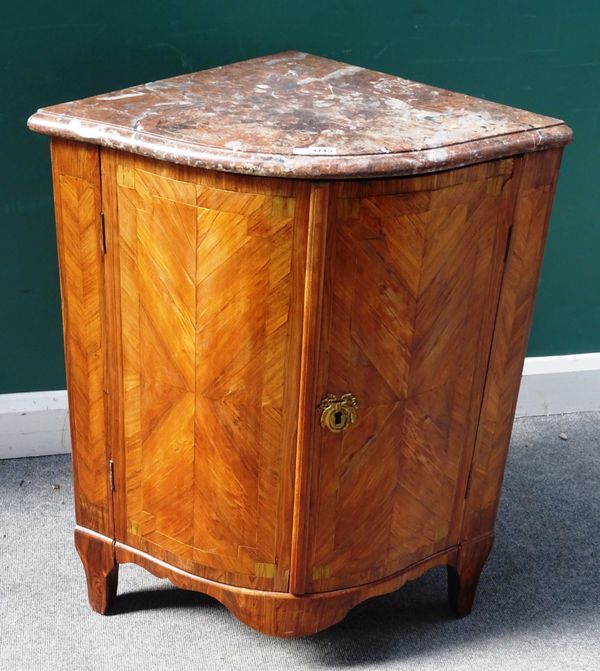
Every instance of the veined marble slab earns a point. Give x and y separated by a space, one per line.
297 115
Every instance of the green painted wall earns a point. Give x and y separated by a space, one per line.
542 55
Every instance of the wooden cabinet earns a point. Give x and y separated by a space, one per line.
296 302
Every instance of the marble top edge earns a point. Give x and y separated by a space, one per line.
40 121
295 114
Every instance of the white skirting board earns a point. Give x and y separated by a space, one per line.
553 385
36 423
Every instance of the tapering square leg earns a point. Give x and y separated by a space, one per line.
101 569
463 577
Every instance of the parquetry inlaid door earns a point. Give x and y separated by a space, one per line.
408 314
210 330
296 303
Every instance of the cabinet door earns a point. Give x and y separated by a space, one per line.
210 315
410 295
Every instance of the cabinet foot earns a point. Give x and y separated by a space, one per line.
101 570
463 577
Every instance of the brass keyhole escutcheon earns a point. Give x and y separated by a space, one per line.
338 414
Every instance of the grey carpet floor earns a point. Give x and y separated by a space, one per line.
538 605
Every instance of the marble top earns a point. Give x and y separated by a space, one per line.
297 115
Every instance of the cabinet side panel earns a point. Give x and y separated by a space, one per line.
76 180
515 311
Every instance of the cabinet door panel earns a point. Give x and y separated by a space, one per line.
210 319
410 297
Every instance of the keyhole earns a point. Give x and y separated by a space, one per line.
338 414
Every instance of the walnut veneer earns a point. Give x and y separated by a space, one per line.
208 313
